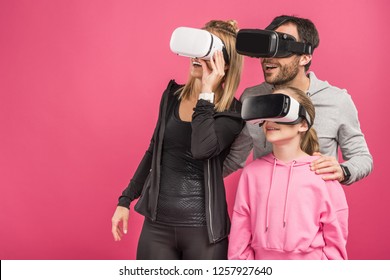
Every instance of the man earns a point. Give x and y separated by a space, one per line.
336 121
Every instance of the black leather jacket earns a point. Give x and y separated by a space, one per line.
212 134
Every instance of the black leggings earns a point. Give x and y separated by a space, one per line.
162 242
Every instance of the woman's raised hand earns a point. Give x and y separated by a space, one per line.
213 76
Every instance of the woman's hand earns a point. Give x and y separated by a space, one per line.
121 215
213 76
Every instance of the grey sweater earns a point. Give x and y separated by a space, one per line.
336 123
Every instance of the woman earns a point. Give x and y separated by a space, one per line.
283 210
179 180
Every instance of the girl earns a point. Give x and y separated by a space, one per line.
283 210
179 181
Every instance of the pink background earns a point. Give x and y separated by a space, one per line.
80 84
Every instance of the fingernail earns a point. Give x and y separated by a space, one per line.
125 231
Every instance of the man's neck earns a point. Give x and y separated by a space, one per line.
301 81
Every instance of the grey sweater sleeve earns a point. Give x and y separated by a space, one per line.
245 142
239 152
352 143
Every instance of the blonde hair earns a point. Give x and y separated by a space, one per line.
224 94
309 139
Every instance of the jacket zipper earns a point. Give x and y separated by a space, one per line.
209 189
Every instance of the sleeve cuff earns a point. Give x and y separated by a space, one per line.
124 201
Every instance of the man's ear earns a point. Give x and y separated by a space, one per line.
305 59
303 127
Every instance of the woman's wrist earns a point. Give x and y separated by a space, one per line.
207 88
209 96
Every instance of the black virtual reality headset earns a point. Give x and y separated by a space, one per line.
269 43
196 43
276 107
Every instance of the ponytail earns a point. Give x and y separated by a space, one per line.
309 142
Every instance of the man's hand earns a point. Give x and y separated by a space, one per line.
327 165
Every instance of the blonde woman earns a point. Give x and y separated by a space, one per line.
179 181
283 210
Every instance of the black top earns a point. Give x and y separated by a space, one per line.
212 134
181 198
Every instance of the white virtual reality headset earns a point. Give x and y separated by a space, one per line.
196 43
277 107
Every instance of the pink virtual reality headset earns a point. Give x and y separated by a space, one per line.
196 43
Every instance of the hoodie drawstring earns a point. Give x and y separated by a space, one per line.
287 190
286 197
267 211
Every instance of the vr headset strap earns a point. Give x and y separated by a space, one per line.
304 114
225 55
299 47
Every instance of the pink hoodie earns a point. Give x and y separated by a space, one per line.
286 211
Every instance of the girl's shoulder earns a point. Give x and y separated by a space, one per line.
261 162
